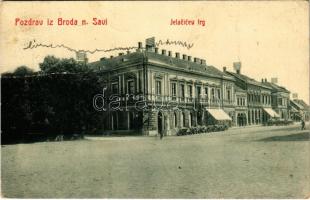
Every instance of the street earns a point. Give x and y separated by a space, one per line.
251 162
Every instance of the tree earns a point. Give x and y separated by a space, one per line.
51 64
6 74
23 71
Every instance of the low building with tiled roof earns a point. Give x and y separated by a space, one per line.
258 97
300 110
280 98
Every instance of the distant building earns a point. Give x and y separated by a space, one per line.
299 110
280 98
257 108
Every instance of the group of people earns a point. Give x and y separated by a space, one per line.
303 127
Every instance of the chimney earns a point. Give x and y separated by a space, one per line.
170 53
140 45
196 60
203 61
177 55
237 67
189 58
156 49
266 80
81 56
274 80
184 57
163 52
111 56
128 52
224 69
120 54
295 96
262 80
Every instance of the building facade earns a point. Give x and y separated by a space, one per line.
151 91
299 110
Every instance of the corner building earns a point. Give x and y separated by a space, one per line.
172 91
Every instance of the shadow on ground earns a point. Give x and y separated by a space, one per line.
301 136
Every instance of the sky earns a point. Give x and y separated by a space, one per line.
270 39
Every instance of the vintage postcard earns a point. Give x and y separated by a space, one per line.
135 99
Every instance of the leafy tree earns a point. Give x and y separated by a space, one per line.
23 71
6 74
51 64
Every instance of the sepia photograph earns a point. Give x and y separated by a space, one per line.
155 100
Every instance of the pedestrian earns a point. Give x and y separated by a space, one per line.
302 124
161 135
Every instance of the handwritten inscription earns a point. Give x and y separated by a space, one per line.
174 42
33 44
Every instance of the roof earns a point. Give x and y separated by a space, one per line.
118 61
248 80
138 57
302 103
239 89
276 87
170 61
299 106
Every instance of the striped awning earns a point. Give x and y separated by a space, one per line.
271 112
219 114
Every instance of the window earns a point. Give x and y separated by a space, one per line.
212 94
173 89
198 91
228 94
130 87
182 91
218 94
183 119
158 87
190 91
206 92
114 88
280 101
238 101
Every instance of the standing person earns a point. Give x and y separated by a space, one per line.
161 135
302 124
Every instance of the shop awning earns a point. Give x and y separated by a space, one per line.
218 114
294 110
271 112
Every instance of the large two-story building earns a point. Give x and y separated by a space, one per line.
150 91
154 91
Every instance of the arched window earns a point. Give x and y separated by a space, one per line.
190 119
183 119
